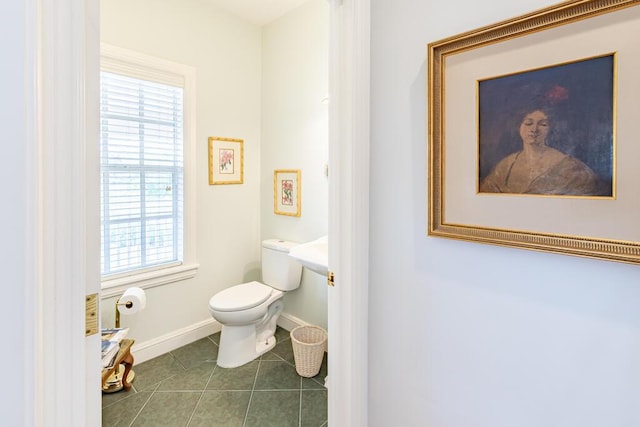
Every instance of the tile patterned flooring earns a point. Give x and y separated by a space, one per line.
185 387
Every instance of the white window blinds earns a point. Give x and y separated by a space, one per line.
141 148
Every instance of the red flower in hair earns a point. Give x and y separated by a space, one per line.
556 94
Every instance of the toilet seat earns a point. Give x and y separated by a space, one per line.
240 297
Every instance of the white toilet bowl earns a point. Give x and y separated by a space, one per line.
248 314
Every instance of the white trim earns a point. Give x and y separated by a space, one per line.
91 120
349 222
65 362
124 61
190 167
149 279
32 327
289 322
147 350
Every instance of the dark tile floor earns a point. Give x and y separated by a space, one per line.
186 388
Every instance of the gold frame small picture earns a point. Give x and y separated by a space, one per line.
226 160
286 192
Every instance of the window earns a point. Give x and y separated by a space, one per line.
145 158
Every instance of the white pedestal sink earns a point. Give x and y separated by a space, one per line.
313 255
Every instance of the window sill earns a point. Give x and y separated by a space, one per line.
150 279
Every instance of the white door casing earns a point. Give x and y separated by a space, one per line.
65 370
349 210
66 363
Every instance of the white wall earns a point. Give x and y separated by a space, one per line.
464 334
226 53
17 232
295 136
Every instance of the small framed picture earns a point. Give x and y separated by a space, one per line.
286 192
226 160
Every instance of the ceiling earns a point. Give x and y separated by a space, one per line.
258 12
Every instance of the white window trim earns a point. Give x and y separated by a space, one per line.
148 279
119 60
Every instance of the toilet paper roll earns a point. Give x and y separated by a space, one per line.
132 301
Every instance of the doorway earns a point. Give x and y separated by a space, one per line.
348 192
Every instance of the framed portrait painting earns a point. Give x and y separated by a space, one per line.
548 131
532 132
286 192
226 160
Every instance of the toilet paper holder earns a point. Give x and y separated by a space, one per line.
131 301
127 304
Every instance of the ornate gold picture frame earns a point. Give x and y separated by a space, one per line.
562 216
286 192
226 160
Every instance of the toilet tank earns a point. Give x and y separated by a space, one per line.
279 270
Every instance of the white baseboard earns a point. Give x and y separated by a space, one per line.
288 321
158 346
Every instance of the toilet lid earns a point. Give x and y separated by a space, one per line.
240 297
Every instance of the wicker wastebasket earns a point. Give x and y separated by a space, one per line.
309 344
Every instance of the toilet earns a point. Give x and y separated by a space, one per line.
248 312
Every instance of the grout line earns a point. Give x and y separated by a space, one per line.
300 405
211 376
177 360
281 360
318 382
221 389
255 380
211 339
201 395
144 405
235 390
119 401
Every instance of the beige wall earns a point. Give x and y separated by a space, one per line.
226 53
262 86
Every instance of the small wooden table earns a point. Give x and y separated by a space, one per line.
123 357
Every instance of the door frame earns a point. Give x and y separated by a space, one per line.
65 368
63 51
349 65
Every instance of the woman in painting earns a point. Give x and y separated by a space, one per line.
538 168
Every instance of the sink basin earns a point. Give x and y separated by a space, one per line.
313 255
